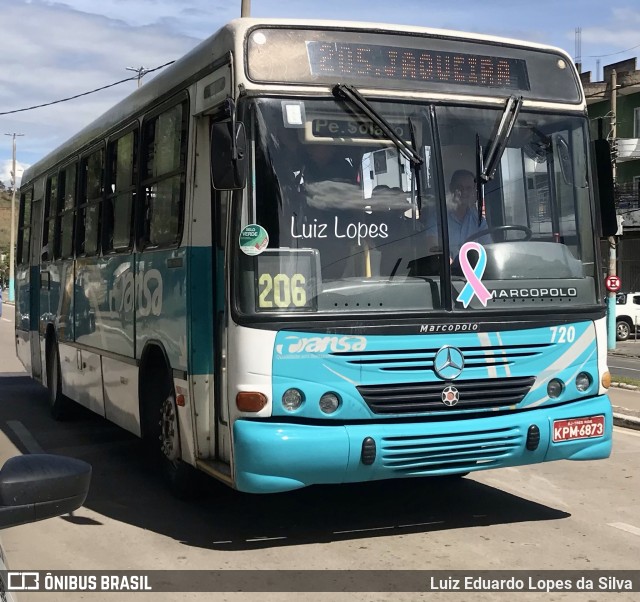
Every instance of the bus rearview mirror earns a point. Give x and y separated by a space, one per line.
228 156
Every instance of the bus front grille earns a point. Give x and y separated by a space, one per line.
410 398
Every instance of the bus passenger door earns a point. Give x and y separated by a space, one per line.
206 308
221 201
35 249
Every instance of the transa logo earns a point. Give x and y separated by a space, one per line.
333 344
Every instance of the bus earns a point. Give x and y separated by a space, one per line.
250 261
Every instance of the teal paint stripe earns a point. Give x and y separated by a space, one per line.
200 335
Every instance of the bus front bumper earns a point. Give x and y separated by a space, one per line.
279 456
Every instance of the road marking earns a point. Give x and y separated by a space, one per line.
27 439
624 527
364 530
626 431
624 368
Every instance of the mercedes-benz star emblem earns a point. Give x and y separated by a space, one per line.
450 396
448 362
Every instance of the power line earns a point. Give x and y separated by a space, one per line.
599 56
141 71
48 104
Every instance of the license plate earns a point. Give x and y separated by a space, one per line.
578 428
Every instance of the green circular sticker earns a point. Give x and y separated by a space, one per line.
253 239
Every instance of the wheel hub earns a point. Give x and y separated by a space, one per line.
169 440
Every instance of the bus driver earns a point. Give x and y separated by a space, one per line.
462 212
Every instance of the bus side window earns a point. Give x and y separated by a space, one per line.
66 211
24 227
49 224
163 177
122 176
89 203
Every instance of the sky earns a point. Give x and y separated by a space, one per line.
54 50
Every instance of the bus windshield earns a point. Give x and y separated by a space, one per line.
352 227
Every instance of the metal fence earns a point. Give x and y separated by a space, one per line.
627 195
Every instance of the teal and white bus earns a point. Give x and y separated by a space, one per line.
259 261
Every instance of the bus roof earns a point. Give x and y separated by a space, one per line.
230 38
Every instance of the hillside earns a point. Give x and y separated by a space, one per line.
5 220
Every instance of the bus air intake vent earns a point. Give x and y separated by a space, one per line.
444 453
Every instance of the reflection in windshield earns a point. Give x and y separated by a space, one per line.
332 187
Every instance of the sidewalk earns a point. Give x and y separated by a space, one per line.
626 407
629 348
625 399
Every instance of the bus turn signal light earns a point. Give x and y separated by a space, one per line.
606 379
250 401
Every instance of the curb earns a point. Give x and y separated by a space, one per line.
631 422
634 356
625 386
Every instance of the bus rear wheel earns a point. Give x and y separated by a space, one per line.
59 404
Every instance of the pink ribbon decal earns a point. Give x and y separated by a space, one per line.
474 284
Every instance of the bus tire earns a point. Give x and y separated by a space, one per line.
59 404
163 442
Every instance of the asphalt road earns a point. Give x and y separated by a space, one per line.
624 366
569 515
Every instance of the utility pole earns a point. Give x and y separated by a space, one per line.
611 295
13 220
245 10
141 71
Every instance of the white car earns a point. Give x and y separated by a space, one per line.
38 486
627 314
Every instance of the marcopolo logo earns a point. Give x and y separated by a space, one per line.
524 293
332 344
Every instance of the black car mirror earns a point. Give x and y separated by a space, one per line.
38 486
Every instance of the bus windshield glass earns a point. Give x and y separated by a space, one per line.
337 220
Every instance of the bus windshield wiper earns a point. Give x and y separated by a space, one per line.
487 164
496 150
350 93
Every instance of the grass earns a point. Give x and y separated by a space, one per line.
626 380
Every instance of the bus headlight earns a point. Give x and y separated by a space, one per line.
555 387
329 403
583 381
292 399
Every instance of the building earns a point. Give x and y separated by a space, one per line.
615 114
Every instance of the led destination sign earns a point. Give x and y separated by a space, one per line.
340 59
420 63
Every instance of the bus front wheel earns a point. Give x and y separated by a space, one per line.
163 437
